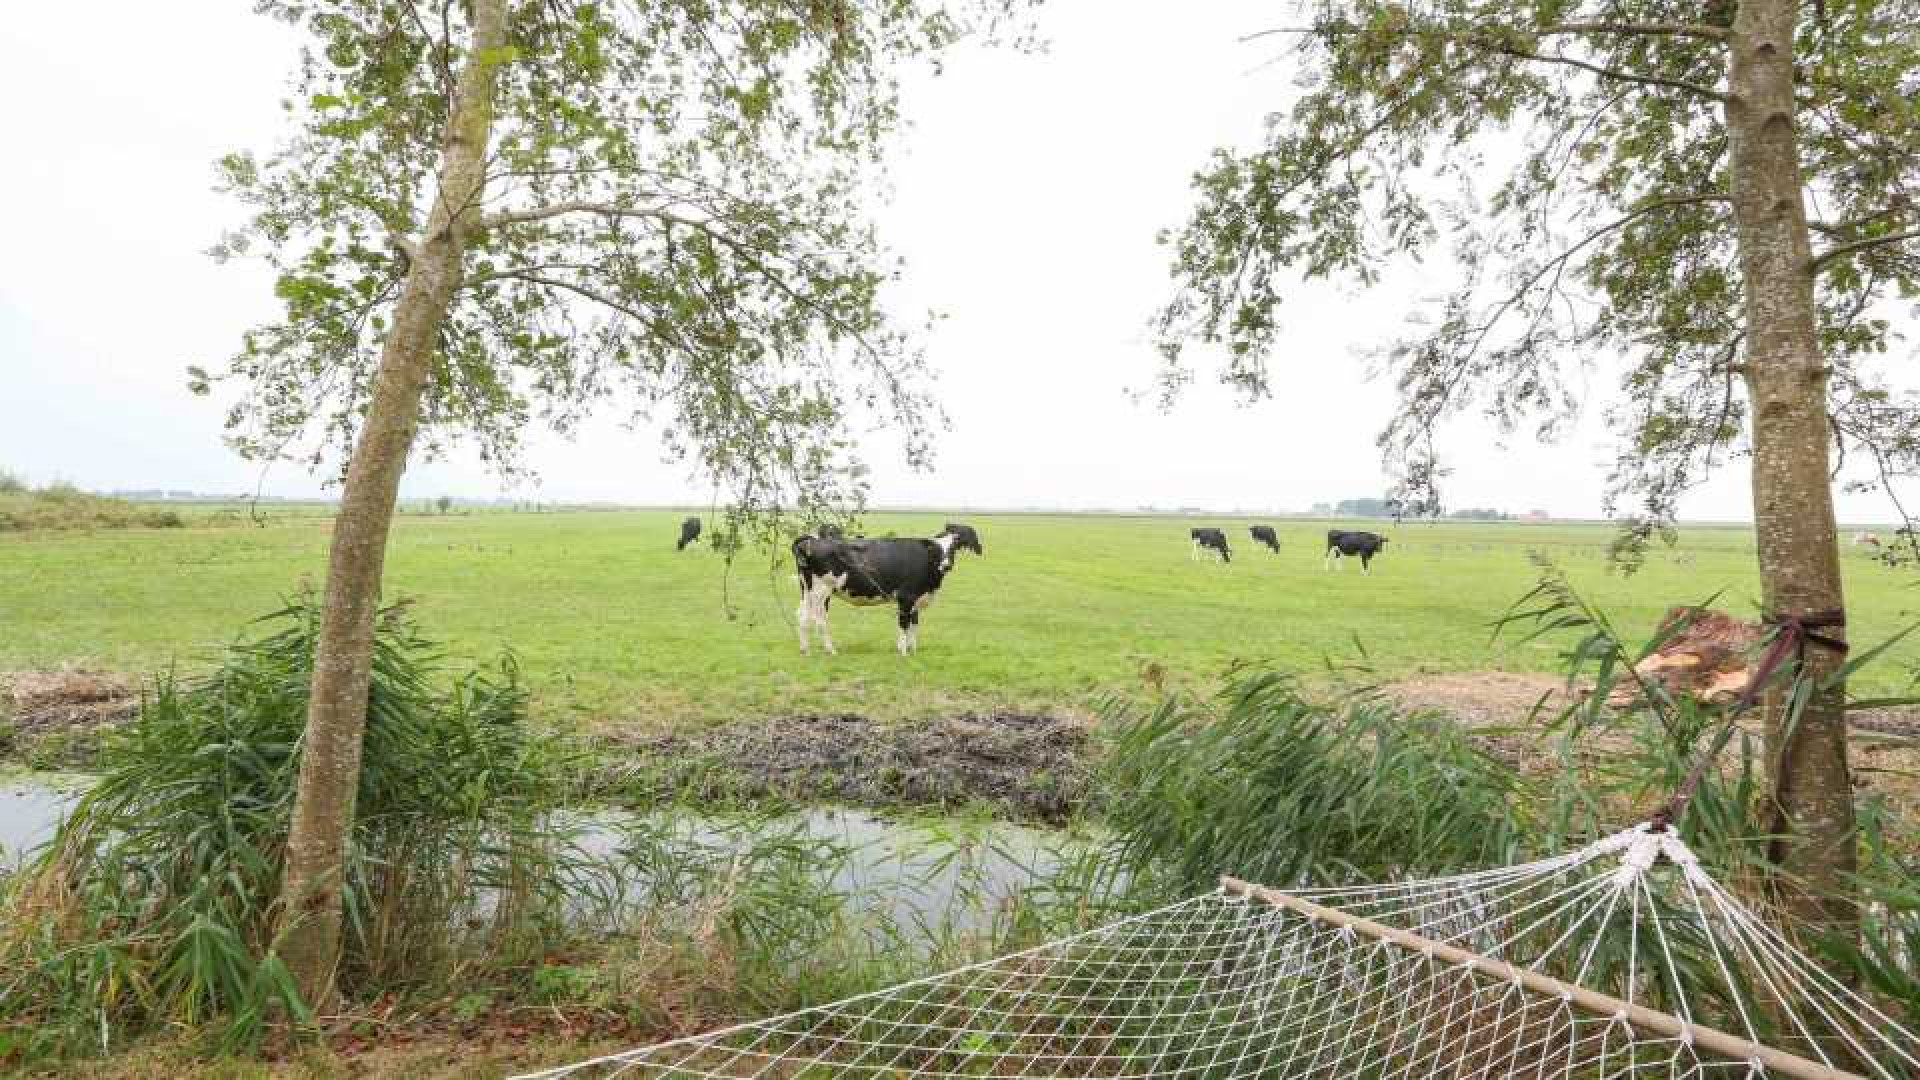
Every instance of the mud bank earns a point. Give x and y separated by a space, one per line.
55 719
1023 765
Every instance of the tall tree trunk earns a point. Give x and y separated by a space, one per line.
1792 487
310 909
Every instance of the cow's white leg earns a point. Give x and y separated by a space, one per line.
826 631
813 615
822 596
1194 554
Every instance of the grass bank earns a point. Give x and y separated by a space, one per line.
64 508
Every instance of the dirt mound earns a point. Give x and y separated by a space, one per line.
1029 765
55 718
47 700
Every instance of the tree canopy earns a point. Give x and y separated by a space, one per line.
672 219
1572 161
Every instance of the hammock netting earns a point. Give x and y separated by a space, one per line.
1622 959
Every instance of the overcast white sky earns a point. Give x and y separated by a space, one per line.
1028 193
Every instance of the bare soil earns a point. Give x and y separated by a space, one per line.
1512 708
1504 698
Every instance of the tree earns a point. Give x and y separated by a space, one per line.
493 211
1654 177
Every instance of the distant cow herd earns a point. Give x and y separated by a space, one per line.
907 572
1210 543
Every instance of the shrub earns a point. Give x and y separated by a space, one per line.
62 506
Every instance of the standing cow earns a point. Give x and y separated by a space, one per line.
1210 540
689 532
872 570
1364 544
1264 534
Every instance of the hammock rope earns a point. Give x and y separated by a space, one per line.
1622 959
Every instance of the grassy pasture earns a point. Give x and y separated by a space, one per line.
610 622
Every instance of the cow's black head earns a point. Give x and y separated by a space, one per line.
964 537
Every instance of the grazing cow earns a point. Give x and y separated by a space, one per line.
1264 534
1364 544
964 537
1865 539
869 571
1211 540
689 532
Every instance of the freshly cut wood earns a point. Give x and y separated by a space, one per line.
1709 658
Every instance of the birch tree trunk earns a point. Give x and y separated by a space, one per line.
1792 487
310 894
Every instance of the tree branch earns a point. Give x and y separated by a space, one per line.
1619 29
1507 48
1843 251
576 206
1630 29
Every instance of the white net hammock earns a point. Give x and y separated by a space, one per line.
1623 959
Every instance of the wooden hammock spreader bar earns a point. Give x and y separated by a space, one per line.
1650 1021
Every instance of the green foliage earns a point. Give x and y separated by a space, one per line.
674 225
153 904
1606 230
1266 784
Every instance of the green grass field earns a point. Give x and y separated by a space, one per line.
610 622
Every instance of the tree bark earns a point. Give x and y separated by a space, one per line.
310 894
1792 486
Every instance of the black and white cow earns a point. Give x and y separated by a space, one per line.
871 570
1264 534
689 532
1364 544
1205 540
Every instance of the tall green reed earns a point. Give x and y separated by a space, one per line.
1266 783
